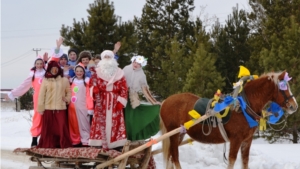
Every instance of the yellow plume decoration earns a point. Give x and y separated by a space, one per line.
216 97
243 72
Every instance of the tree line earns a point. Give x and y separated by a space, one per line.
183 56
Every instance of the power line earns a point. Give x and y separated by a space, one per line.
19 57
28 29
6 37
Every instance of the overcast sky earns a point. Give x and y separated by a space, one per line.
32 24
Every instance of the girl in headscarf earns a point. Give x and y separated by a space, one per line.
142 120
55 94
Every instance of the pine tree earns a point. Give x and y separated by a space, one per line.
75 36
203 79
231 46
175 69
100 31
160 22
276 42
129 43
26 100
285 55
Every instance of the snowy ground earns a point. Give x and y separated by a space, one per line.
15 133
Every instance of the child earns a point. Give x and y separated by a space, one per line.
72 53
63 62
84 58
34 80
97 59
80 107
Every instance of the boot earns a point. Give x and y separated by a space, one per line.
34 142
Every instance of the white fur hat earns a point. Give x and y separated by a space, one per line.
139 59
107 53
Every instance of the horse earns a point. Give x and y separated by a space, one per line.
259 92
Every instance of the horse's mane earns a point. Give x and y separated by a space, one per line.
274 76
257 88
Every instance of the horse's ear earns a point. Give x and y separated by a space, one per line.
281 76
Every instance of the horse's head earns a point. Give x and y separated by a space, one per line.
284 96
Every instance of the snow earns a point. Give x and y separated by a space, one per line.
15 133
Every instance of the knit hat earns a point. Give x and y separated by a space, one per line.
107 53
64 56
72 50
140 59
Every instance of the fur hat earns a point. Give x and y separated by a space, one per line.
107 53
139 59
64 56
72 50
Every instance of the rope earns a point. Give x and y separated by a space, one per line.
283 121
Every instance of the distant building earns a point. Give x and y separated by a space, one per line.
3 95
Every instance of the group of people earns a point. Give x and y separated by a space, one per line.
81 103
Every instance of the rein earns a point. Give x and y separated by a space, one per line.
249 110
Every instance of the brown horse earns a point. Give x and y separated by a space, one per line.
174 113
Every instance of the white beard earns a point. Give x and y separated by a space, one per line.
107 67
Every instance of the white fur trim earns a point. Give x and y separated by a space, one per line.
56 55
90 112
122 100
91 92
107 53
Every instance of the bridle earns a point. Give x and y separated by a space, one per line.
286 98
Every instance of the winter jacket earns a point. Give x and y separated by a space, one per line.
51 93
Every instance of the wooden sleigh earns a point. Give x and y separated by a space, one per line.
89 157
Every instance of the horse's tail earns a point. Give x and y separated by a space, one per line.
165 142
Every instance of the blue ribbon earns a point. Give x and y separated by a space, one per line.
221 106
229 100
251 122
274 107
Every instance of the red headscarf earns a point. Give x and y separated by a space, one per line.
52 64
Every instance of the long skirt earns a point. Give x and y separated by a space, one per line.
141 122
55 131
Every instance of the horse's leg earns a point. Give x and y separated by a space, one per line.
245 149
174 143
234 148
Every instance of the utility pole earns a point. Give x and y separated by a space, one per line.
37 51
